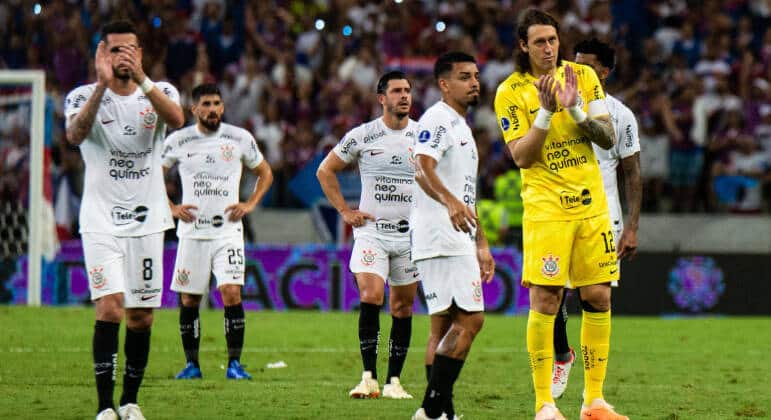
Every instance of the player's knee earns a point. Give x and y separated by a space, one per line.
595 305
231 294
401 310
476 324
112 314
370 295
190 301
402 307
110 308
139 319
471 326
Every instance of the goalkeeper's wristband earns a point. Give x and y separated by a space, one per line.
577 114
147 85
543 118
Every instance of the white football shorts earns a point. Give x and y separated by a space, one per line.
197 259
129 265
388 259
451 279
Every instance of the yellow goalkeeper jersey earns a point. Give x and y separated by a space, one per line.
565 182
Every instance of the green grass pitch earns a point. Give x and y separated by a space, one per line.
704 368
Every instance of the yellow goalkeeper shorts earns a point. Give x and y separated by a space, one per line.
572 253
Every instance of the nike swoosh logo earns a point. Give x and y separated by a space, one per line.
376 152
463 143
107 121
415 275
533 111
613 271
147 297
191 154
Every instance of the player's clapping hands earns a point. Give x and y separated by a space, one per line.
568 96
545 86
103 64
129 57
183 212
236 211
356 218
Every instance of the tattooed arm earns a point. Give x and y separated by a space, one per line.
600 131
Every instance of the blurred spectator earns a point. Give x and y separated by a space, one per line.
685 68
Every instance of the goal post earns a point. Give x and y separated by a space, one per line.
35 78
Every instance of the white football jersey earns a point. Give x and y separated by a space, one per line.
387 176
444 136
210 168
124 193
627 144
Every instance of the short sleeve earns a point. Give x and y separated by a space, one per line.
250 153
75 101
592 92
628 136
169 156
512 119
349 147
433 136
169 90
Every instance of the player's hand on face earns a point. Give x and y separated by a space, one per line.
486 264
236 211
627 245
356 218
461 216
129 56
103 64
568 96
184 212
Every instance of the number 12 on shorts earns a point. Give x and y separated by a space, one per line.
607 239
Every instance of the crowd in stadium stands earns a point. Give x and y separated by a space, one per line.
299 74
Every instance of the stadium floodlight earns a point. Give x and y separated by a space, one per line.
36 78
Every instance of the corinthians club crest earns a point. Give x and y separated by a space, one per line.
98 280
550 266
368 257
183 277
227 152
149 117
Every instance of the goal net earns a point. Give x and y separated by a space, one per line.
25 218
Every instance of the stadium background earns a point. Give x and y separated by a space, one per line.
298 74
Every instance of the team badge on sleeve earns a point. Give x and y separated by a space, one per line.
550 266
505 124
424 136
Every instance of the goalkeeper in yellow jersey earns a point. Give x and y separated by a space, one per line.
550 112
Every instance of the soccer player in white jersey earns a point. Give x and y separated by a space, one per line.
210 155
119 122
381 252
448 248
601 57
